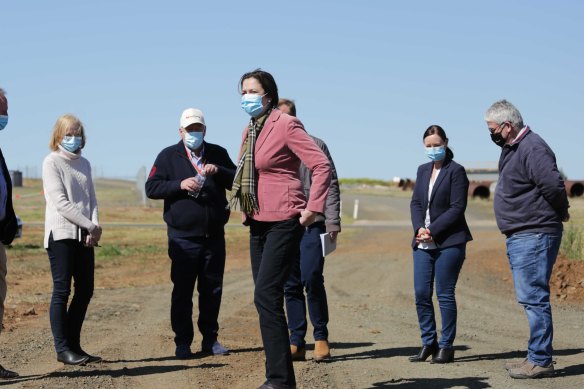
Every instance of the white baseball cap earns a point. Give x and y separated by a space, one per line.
190 116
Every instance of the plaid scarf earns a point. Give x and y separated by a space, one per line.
244 183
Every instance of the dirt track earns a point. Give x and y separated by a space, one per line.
373 328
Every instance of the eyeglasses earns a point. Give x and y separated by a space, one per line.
493 130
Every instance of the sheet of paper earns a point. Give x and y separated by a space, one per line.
328 245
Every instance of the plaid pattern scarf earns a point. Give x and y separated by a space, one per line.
245 182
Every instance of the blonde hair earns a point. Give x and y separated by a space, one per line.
63 124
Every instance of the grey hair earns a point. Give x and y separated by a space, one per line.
503 111
2 92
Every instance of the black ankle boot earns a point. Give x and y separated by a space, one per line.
445 355
424 353
71 358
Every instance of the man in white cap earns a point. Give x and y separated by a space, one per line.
8 225
192 177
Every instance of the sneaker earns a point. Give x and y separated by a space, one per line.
514 364
321 350
183 351
215 348
298 352
529 370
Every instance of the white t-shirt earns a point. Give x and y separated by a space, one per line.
429 245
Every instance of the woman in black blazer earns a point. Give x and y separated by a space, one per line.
439 243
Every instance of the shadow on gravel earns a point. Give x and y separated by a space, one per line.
434 383
570 371
158 359
511 355
130 372
343 345
374 354
20 379
380 353
197 355
245 350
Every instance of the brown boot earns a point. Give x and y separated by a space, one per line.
529 370
321 350
298 353
509 365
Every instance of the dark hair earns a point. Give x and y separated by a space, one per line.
268 83
435 129
290 104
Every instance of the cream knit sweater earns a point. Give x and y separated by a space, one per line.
70 195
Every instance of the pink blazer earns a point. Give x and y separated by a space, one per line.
281 145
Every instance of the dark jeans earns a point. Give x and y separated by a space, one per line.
69 259
307 274
274 247
192 258
444 265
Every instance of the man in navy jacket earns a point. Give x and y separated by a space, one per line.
192 178
8 225
530 206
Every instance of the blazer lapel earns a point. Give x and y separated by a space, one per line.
439 180
268 127
426 181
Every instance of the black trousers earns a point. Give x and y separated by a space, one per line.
203 259
274 248
69 260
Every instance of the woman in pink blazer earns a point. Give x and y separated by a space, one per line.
271 197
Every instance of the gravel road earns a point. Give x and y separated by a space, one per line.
373 326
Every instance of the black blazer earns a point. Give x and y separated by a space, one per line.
447 204
186 216
8 226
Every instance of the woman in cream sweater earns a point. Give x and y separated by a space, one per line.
71 231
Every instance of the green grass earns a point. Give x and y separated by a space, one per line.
365 182
573 242
119 202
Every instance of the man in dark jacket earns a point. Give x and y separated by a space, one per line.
530 206
307 274
8 225
192 177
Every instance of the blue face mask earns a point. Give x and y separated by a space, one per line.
436 153
194 140
71 143
3 121
252 104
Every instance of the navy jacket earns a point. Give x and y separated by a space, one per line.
184 215
8 226
530 195
447 204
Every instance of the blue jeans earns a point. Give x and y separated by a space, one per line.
532 257
307 274
197 260
69 260
443 265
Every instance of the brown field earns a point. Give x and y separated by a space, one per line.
373 325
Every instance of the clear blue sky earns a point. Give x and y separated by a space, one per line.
368 76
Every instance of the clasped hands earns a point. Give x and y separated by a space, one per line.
424 236
92 239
